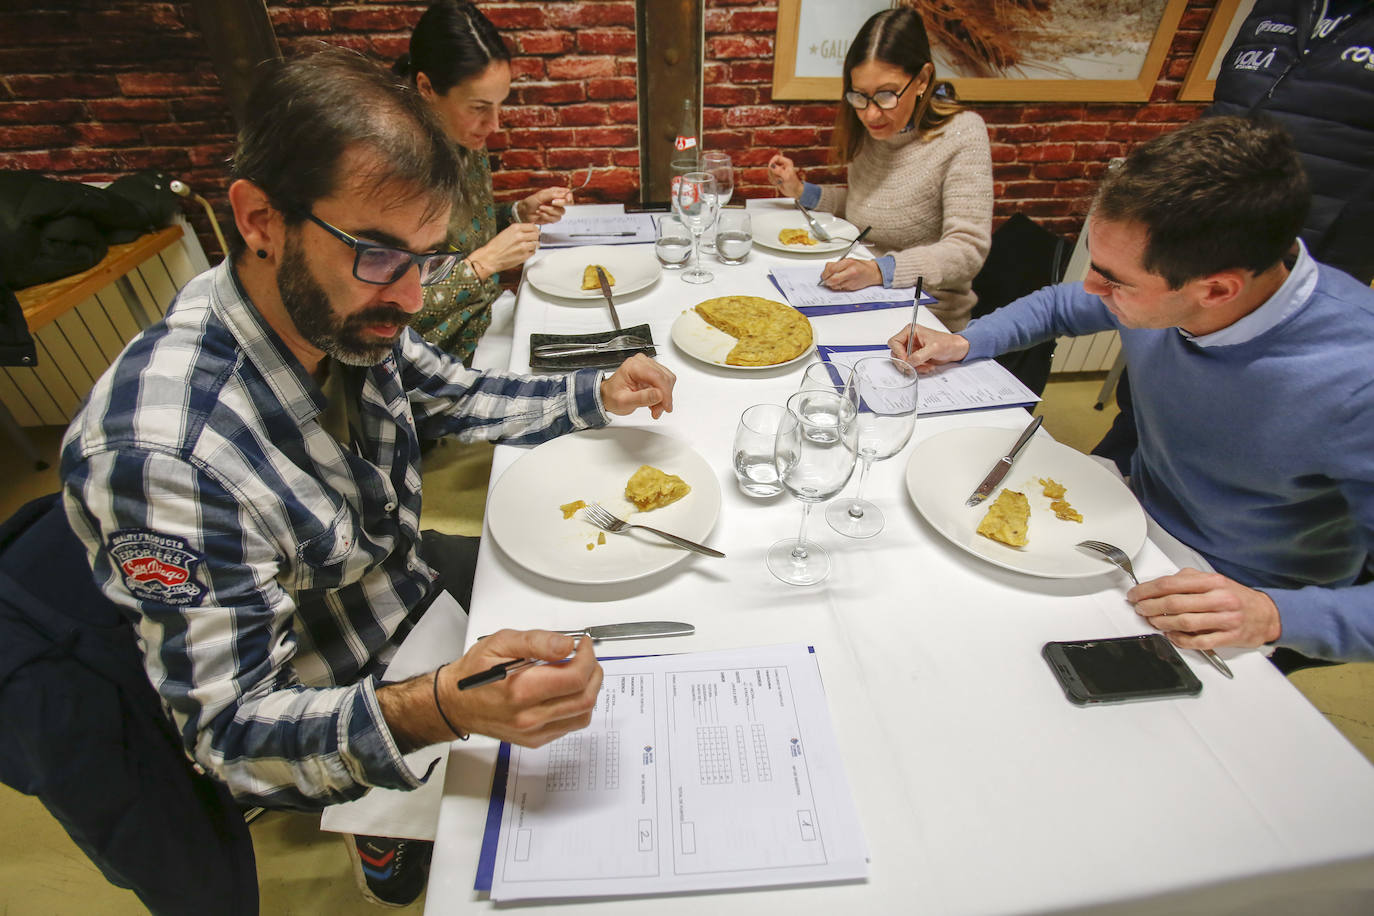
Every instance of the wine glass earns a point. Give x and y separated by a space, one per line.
718 164
882 392
812 470
694 202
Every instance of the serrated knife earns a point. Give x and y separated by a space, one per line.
1003 465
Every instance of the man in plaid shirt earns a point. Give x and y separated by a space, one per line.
246 476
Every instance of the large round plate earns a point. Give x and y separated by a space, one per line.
946 468
594 465
710 344
768 224
559 273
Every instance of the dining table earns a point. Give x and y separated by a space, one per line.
979 787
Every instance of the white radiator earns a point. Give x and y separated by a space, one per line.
1096 352
76 348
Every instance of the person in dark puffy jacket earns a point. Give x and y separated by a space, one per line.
1309 64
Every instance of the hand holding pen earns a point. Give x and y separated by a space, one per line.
556 696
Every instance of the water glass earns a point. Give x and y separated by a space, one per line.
755 440
734 236
722 170
694 202
882 391
672 243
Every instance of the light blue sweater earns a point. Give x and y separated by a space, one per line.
1259 455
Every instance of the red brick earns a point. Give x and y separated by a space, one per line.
611 88
210 155
389 47
715 72
1038 208
522 159
1098 151
373 19
160 84
716 21
627 67
1178 113
754 21
1078 130
526 68
536 138
751 71
1019 133
529 116
628 157
551 93
300 21
34 135
736 46
582 14
729 95
606 42
67 86
1076 189
1033 114
591 137
515 16
544 42
754 115
577 68
508 179
578 160
1132 132
809 157
1002 152
1046 152
757 156
1025 190
726 139
1060 170
811 114
1011 172
107 134
582 115
27 161
786 137
40 112
624 112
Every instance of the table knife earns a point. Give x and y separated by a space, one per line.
1003 465
640 630
606 291
816 229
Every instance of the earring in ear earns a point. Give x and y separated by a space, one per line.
262 254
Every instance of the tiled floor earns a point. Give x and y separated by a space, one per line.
302 871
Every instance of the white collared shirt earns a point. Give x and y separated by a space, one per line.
1287 299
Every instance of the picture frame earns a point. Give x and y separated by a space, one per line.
1201 80
792 82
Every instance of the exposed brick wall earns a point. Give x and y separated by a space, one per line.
93 89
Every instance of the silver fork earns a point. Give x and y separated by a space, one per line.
585 181
608 522
1117 557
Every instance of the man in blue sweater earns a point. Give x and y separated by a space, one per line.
1254 398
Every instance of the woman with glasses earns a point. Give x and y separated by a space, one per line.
920 171
460 65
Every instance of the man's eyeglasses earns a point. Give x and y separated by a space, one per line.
383 265
885 99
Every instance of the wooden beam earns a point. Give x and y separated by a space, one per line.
239 35
672 46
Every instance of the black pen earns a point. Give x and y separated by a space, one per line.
496 673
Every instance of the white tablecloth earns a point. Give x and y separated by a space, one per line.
981 789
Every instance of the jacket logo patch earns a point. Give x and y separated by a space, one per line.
157 567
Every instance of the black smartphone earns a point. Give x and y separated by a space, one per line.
1120 670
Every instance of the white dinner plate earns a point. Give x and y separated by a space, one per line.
946 468
767 225
710 344
594 465
559 273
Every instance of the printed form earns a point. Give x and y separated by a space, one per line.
975 385
699 771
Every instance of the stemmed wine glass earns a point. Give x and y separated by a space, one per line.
719 165
812 469
694 202
882 392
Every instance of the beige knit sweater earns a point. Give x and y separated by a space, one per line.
929 201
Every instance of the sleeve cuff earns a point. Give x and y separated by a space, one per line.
887 265
810 195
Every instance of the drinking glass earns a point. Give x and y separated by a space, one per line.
755 441
672 243
822 376
812 470
694 202
734 236
882 392
718 164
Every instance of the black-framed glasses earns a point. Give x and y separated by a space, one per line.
885 99
382 265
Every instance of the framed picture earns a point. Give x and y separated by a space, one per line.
1226 21
992 50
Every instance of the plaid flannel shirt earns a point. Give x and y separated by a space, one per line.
270 570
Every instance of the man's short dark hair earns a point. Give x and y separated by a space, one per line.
304 114
1217 194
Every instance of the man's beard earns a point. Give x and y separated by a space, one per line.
308 305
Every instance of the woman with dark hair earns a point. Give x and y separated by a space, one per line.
460 66
920 170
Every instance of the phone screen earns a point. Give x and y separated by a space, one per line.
1127 668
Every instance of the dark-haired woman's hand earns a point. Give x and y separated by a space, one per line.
545 206
784 175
